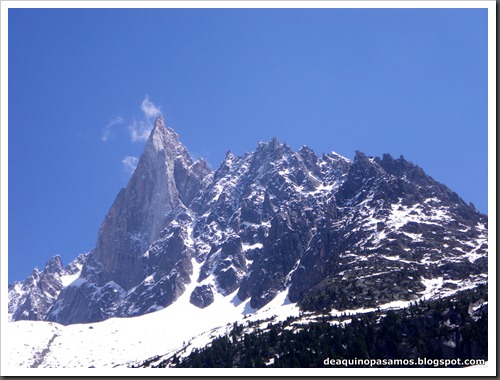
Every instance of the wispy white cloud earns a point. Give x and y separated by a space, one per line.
106 131
141 128
150 110
130 163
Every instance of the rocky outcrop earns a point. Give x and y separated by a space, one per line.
202 296
31 299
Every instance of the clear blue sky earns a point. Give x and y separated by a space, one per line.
410 82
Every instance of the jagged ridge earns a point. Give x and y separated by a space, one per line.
334 232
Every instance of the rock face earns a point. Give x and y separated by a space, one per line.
142 258
164 183
202 296
31 299
332 232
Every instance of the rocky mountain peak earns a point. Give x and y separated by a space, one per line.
54 265
272 148
165 180
31 299
329 231
163 144
161 136
161 189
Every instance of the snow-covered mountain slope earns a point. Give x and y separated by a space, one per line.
176 330
125 341
330 232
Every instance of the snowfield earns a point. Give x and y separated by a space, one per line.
122 342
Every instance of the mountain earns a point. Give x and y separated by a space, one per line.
30 299
142 258
324 231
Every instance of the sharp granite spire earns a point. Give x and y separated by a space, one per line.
162 185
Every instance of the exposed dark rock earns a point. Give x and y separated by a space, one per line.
202 296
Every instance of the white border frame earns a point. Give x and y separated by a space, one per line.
488 371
